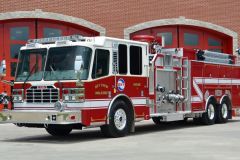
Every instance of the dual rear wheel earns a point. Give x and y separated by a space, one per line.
216 113
223 112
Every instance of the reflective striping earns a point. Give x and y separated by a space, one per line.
36 109
196 99
236 81
85 104
216 81
225 81
210 81
99 103
89 100
139 101
198 90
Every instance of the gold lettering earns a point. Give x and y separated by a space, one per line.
101 93
101 85
136 84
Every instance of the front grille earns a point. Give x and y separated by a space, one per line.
47 94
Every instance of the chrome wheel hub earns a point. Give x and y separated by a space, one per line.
224 111
211 112
120 119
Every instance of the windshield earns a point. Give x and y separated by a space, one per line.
62 61
31 65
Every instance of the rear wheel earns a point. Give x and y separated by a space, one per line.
223 112
58 130
209 116
120 121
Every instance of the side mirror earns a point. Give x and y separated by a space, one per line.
3 68
78 66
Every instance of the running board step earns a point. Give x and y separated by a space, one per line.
168 117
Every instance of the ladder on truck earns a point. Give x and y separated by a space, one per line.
184 83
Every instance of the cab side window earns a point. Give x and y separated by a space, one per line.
135 60
101 63
122 61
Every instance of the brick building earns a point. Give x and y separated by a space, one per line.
202 24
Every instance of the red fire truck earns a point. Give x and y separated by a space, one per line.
71 82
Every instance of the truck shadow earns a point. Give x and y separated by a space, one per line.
88 135
164 127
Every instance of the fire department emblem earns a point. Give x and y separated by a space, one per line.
121 84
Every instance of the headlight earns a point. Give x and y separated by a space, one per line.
59 106
66 98
73 98
17 95
73 95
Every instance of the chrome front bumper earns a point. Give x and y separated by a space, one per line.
40 117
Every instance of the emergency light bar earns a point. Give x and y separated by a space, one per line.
54 39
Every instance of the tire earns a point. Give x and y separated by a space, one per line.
223 111
157 120
209 117
120 121
59 130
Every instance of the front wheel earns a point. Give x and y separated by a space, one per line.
58 130
209 117
120 121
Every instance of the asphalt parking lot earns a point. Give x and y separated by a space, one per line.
169 141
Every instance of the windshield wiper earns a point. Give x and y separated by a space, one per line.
34 67
58 80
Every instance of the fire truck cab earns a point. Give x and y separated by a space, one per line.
65 83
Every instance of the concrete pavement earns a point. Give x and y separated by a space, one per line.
168 141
